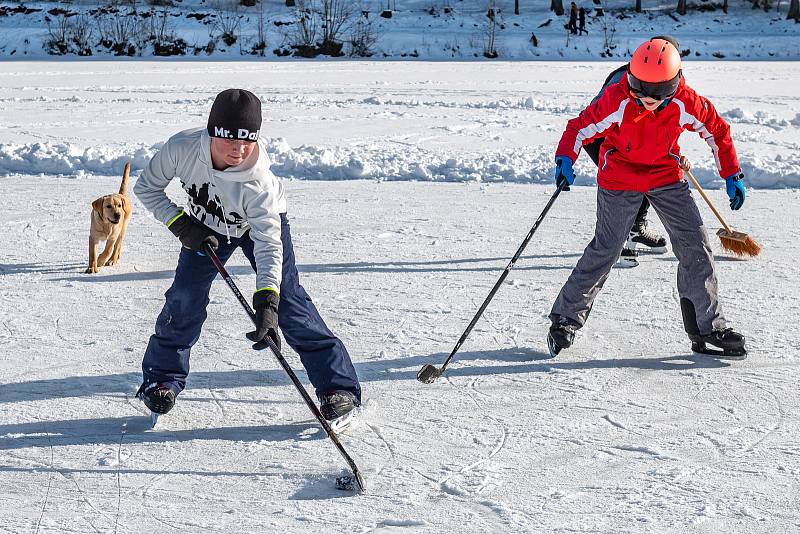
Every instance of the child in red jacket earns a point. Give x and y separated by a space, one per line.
641 118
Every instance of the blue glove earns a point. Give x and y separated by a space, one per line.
735 189
564 172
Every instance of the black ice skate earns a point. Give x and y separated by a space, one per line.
627 258
338 407
561 335
730 344
158 398
651 242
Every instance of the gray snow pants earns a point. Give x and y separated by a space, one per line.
616 210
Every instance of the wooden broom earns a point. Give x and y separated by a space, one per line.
738 243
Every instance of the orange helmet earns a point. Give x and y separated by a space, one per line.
655 69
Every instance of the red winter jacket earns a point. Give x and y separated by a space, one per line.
640 151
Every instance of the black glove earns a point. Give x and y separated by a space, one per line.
265 304
193 234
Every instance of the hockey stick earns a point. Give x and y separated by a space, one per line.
429 373
341 482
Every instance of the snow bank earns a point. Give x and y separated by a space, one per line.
761 118
65 159
375 162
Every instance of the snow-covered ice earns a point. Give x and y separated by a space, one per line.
625 432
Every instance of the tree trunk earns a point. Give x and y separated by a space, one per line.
682 7
725 7
638 6
557 7
516 7
794 10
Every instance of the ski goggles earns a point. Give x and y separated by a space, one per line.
656 91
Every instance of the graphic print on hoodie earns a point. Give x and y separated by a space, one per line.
203 206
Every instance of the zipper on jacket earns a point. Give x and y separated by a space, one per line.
605 157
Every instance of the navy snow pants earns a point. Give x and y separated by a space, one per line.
178 325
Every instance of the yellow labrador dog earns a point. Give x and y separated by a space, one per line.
110 216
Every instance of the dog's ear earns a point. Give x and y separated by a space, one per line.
97 205
126 204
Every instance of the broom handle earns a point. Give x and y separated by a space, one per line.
708 201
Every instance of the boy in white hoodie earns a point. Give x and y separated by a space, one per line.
234 202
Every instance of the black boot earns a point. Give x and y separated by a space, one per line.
158 397
639 234
561 335
651 241
627 258
731 343
336 404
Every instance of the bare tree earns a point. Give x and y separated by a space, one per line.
228 21
609 26
489 49
305 25
363 37
639 6
261 45
794 10
725 7
58 32
681 9
162 34
119 27
557 7
67 32
318 27
82 34
516 7
335 18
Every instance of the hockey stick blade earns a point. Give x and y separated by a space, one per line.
351 482
428 374
212 255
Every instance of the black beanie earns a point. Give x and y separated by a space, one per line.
235 114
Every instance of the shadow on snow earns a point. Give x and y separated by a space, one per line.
108 430
435 266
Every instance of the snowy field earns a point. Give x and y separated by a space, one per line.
625 432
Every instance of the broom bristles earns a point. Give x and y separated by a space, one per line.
740 247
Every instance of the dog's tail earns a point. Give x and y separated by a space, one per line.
123 187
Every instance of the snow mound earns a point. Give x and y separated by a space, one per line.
374 162
739 116
67 160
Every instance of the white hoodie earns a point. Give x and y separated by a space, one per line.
230 202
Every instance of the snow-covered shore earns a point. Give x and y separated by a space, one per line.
421 29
